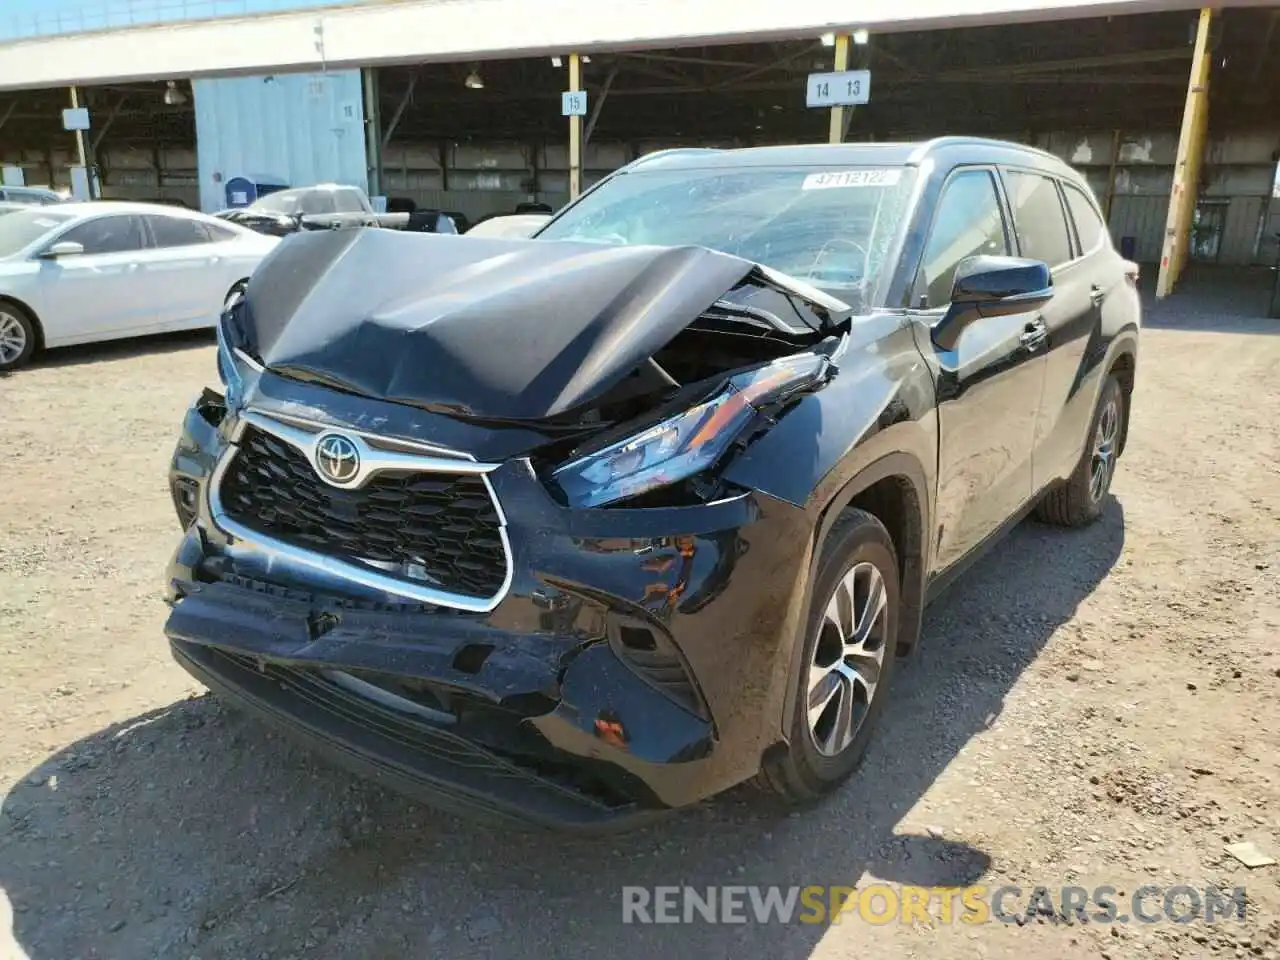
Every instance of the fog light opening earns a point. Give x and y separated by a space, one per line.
472 657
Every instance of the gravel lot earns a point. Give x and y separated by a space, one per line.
1089 707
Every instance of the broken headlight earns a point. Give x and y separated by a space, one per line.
229 367
689 443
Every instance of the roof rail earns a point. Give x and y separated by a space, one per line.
938 143
671 151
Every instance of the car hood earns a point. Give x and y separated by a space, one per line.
504 329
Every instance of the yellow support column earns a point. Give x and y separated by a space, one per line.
1186 172
842 63
575 131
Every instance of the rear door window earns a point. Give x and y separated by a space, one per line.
176 231
967 223
218 233
1038 218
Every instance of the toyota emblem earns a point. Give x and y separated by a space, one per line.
337 459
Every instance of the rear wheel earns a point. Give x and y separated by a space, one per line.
1079 501
17 336
848 661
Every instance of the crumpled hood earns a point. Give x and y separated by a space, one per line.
488 328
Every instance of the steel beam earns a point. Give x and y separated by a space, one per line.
838 125
400 108
106 124
575 130
778 64
696 61
1116 141
598 106
1101 61
1186 171
372 130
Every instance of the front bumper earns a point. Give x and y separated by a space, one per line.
636 662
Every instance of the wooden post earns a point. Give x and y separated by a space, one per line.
1182 199
575 131
85 152
837 113
81 146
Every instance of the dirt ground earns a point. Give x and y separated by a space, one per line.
1095 707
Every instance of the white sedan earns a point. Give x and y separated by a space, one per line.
83 272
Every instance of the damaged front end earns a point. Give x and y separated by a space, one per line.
468 531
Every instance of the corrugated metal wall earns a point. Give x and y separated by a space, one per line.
1239 169
1142 218
1240 233
299 129
479 179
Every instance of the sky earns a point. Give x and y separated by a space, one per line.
32 17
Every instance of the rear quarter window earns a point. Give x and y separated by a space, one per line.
1089 226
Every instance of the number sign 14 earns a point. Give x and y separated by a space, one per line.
844 89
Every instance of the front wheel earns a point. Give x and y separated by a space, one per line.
848 661
1079 501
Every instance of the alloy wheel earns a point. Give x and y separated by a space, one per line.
13 338
1104 450
847 659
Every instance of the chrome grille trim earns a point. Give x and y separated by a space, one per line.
372 461
377 440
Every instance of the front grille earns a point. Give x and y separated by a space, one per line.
446 526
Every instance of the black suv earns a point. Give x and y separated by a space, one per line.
588 526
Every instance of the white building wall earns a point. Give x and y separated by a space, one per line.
297 129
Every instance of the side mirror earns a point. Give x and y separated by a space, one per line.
67 248
992 287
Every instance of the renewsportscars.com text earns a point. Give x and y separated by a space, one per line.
882 904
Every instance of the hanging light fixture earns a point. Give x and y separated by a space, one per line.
474 81
172 95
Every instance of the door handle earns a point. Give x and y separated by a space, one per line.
1097 295
1034 335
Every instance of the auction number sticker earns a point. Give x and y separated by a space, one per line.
852 178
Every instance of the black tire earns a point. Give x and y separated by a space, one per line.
1080 500
800 772
11 314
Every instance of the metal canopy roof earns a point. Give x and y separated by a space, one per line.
1012 80
418 31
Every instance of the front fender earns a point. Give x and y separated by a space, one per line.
875 421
